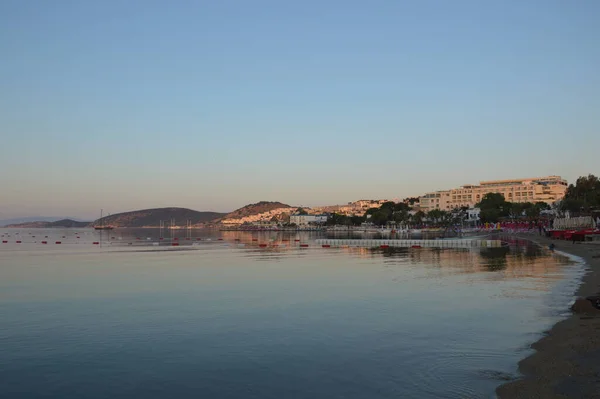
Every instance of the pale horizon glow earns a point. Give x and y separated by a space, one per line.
215 105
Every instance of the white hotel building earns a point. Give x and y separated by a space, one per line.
305 220
547 189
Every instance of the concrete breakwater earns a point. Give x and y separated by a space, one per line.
411 243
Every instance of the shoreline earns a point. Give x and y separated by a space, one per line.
566 361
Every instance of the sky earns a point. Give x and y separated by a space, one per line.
212 105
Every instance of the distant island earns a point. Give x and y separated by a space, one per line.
45 225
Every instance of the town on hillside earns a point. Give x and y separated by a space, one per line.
521 202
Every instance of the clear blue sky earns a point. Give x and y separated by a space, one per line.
212 105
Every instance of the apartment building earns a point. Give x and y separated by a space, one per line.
547 189
304 220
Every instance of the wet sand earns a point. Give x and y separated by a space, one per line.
566 363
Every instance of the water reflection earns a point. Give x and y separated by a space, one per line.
495 258
355 322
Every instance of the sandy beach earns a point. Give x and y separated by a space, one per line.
566 363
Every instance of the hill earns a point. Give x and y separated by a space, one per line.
255 209
152 217
68 223
35 219
44 224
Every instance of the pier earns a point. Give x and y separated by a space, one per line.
410 243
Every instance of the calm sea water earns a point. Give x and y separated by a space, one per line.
220 319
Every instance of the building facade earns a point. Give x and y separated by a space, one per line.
547 189
356 208
304 220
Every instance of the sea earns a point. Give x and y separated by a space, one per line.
240 315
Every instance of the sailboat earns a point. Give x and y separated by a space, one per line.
102 226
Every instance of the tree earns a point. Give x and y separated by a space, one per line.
401 207
401 217
532 212
301 211
584 196
389 205
493 207
357 220
379 218
434 215
417 218
516 210
572 205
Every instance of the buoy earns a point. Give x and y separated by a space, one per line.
255 239
96 243
326 246
44 242
416 246
297 240
18 242
58 242
303 245
175 244
384 246
4 242
262 245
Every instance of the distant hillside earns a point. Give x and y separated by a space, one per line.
58 223
152 217
35 219
255 209
68 223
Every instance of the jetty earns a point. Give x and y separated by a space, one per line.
410 243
